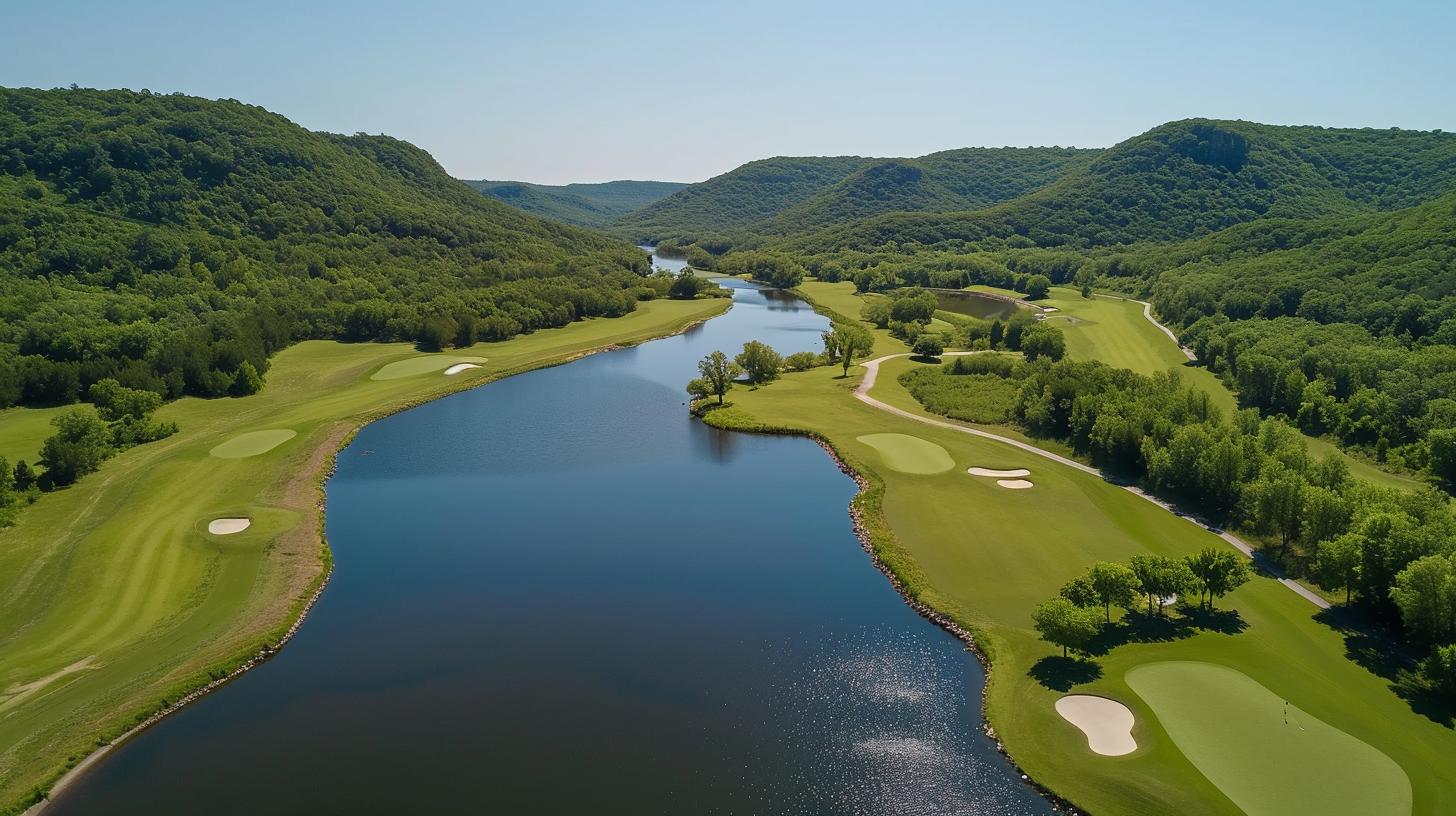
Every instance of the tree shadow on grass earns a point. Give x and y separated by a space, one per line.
1376 648
1142 627
1061 673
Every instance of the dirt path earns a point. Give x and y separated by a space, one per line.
872 371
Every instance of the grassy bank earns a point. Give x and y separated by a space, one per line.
116 600
985 556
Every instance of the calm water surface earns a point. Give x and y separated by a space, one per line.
560 594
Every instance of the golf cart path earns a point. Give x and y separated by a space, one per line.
1148 313
872 371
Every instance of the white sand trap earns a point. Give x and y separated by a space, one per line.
228 526
999 474
1014 484
1107 723
459 367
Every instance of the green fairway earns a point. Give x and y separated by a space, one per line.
1113 330
986 556
1269 757
119 576
421 365
22 430
252 443
909 454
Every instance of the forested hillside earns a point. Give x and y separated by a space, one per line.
1185 179
587 205
1343 326
785 196
164 241
730 202
966 179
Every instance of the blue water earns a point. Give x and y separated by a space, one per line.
561 594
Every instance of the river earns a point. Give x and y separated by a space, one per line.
561 594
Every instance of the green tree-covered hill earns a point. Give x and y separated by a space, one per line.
586 205
1185 179
164 240
732 201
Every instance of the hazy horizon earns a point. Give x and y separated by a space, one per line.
554 93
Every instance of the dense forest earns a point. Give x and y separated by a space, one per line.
586 205
173 243
793 195
728 203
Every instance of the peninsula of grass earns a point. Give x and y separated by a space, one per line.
985 557
115 601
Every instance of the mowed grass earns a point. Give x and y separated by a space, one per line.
986 556
909 454
1114 331
117 575
22 430
1270 758
252 443
423 364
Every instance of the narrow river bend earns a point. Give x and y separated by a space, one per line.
561 594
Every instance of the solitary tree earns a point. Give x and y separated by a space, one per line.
1217 571
845 342
998 333
718 372
1042 340
82 441
684 286
1037 287
759 361
929 346
1066 624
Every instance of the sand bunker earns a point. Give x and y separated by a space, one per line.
999 474
1014 484
909 454
459 367
252 443
228 526
1107 723
424 364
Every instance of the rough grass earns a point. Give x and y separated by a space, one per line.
986 556
985 399
119 568
1267 758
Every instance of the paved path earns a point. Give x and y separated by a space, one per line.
872 372
1148 313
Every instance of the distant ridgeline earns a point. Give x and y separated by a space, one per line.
164 241
586 205
1313 268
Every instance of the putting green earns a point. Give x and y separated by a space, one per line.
909 454
1236 732
425 364
252 443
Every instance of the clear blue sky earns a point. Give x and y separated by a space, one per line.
589 91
